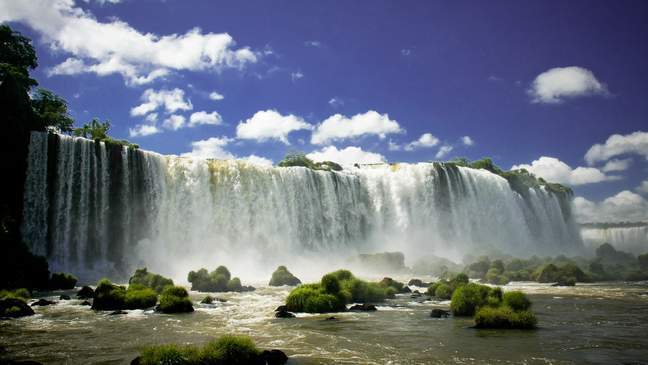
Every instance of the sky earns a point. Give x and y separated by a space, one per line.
559 88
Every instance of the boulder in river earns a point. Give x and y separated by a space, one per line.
274 357
42 302
85 302
14 308
85 293
364 307
117 312
284 314
439 313
64 297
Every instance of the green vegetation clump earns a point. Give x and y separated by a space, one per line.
98 131
226 350
516 300
150 280
175 299
14 306
219 280
282 276
300 159
62 281
21 293
337 289
444 288
108 296
466 299
504 317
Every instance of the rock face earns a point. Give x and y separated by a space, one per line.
274 357
363 308
42 302
14 308
439 313
85 293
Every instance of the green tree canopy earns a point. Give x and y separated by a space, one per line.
95 129
51 110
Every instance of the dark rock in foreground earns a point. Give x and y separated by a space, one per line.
274 357
85 302
363 308
439 313
116 313
85 293
284 314
64 297
14 308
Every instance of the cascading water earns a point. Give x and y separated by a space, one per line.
92 207
629 238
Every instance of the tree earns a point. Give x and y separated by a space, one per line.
95 129
51 111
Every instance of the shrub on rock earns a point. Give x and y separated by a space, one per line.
504 317
154 281
140 297
14 307
468 298
218 280
516 300
175 299
109 296
62 281
282 276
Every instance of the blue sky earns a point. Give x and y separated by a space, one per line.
533 84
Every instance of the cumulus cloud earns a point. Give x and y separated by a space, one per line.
170 100
142 130
114 47
294 76
554 170
336 102
316 44
151 118
339 127
393 146
346 156
643 187
426 140
270 125
443 151
557 84
216 96
625 206
467 141
202 117
617 165
214 148
616 145
174 122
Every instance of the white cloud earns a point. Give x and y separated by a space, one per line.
171 100
617 144
174 122
426 140
115 47
347 156
316 44
554 170
393 146
336 102
294 76
269 124
625 206
643 187
216 96
406 52
617 165
103 2
557 84
151 118
210 148
467 141
142 130
202 117
258 160
443 151
338 127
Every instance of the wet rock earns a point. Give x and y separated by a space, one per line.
116 313
136 361
439 313
416 294
418 282
14 308
245 288
64 297
284 314
274 357
85 302
207 300
42 302
281 308
405 290
331 318
363 308
27 362
85 293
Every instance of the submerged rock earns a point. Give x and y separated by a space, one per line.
439 313
85 293
14 308
274 357
85 302
42 302
284 314
332 318
117 312
64 297
363 308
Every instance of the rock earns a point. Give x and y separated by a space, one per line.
274 357
85 302
116 313
27 362
42 302
14 308
416 295
247 288
331 318
64 297
418 282
284 314
135 361
406 290
281 308
363 308
439 313
207 300
85 293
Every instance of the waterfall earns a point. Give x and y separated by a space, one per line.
99 208
632 238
